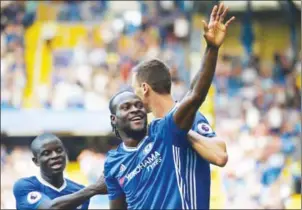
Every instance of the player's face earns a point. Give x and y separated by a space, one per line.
140 91
51 157
131 116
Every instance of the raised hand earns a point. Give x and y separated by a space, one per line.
215 30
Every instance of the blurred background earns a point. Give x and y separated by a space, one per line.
61 61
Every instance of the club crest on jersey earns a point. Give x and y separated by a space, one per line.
122 168
148 148
33 197
204 128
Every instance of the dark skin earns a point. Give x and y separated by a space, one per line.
48 153
214 33
50 156
130 119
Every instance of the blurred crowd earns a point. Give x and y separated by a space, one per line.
258 111
14 18
257 105
15 164
86 76
81 10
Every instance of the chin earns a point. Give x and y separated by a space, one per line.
138 131
60 171
138 128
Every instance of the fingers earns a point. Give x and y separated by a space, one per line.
218 14
205 26
214 13
220 10
222 16
229 21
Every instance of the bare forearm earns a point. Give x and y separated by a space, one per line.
203 79
186 112
72 201
212 150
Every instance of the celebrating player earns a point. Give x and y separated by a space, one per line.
152 82
51 190
141 165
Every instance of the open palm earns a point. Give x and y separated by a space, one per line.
215 31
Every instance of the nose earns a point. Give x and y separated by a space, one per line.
133 109
54 154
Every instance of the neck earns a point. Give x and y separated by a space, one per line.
132 141
160 105
56 180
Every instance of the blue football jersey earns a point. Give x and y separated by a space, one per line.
162 172
196 173
29 192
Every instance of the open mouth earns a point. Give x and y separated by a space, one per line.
57 165
136 119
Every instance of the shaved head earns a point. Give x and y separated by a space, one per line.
40 140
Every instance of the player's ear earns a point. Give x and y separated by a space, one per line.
145 88
35 160
113 119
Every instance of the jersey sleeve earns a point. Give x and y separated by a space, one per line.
27 195
113 187
202 126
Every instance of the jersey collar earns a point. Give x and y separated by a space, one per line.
131 149
42 181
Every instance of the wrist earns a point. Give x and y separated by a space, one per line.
212 47
93 189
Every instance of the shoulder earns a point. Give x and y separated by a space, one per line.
74 185
112 158
114 154
27 183
202 125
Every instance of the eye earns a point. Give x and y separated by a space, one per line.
125 107
45 153
59 150
139 105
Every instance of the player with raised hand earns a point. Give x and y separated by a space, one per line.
152 82
160 171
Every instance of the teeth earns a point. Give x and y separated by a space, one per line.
56 166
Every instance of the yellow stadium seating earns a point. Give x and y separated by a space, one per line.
74 173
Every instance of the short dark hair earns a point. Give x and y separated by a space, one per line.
156 74
112 108
34 146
